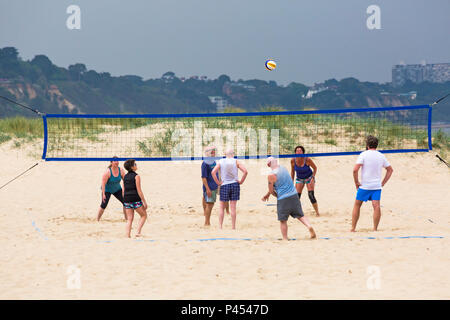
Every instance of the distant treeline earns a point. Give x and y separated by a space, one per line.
52 89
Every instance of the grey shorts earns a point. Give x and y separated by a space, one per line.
289 206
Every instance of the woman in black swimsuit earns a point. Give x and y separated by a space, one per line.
133 198
305 176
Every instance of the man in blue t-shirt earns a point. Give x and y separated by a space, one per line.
209 185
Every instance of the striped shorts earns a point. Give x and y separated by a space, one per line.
230 192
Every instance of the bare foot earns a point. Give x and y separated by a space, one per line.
139 235
313 234
352 230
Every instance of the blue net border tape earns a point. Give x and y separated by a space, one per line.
237 157
241 114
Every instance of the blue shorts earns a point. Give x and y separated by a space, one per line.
230 192
364 195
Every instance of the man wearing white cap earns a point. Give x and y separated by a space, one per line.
288 203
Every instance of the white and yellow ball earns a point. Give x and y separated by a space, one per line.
271 65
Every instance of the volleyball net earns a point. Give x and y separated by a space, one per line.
91 137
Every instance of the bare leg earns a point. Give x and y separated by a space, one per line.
376 214
124 214
233 213
316 208
284 229
305 221
310 187
143 213
227 207
355 214
130 216
221 213
299 187
100 213
203 204
208 209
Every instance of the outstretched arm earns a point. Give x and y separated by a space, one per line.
271 180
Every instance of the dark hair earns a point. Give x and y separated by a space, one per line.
372 142
301 147
114 159
129 164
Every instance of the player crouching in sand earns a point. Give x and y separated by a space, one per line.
288 203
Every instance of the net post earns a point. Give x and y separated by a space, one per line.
44 152
430 143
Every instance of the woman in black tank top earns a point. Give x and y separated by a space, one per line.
133 197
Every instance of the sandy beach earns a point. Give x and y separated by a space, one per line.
49 228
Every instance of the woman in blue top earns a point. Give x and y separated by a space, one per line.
302 167
111 186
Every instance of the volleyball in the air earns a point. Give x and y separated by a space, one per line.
270 65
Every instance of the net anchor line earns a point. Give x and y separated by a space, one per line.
439 100
19 175
437 156
24 106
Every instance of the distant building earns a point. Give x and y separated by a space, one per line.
247 87
318 87
219 101
417 73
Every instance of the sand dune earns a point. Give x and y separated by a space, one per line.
48 224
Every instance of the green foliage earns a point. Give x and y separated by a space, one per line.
441 140
99 92
4 137
22 127
331 141
233 110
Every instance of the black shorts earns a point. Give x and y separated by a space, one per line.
117 194
289 206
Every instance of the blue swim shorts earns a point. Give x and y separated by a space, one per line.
364 195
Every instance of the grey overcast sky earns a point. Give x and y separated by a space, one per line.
311 40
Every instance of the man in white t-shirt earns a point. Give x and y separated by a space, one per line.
230 185
371 161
